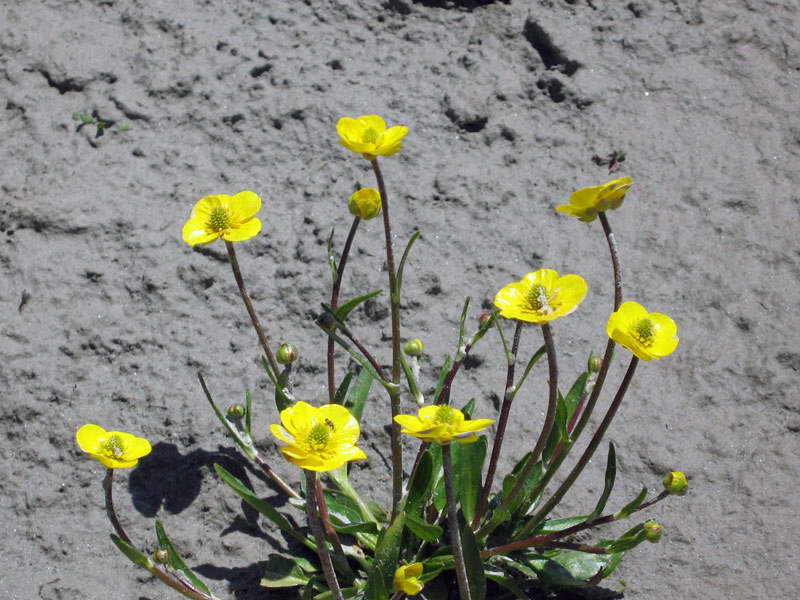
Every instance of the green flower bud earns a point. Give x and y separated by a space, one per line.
287 354
415 347
235 411
676 483
161 556
652 531
365 203
484 318
595 362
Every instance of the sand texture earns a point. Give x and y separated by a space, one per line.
106 316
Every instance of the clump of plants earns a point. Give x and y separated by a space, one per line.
453 523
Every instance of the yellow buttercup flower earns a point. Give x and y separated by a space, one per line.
541 296
233 218
406 579
442 424
114 449
369 137
365 203
647 335
319 439
586 203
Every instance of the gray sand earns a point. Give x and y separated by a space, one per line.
106 315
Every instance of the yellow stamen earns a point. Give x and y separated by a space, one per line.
644 331
444 415
540 301
114 446
219 220
319 436
370 136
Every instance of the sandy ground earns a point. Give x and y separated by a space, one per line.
106 316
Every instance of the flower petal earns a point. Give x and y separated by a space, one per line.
243 232
244 206
374 122
89 438
194 232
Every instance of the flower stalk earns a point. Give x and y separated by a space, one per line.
337 284
394 301
452 520
248 304
319 536
108 483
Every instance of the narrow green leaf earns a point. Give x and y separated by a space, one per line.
282 400
421 486
525 499
611 474
344 310
248 413
413 387
467 466
176 560
136 556
425 531
282 572
376 585
555 525
533 360
341 392
469 409
461 322
359 393
631 506
342 481
559 431
346 515
474 566
331 259
387 553
245 444
402 265
629 540
575 392
262 506
509 583
448 364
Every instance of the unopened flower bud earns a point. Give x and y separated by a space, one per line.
161 556
235 411
676 483
595 362
652 531
415 347
484 318
365 203
287 354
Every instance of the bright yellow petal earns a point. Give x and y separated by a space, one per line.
136 447
113 463
663 347
243 232
298 417
244 206
572 289
427 414
352 453
194 232
475 425
206 205
543 277
373 122
351 134
89 437
280 433
392 141
586 197
410 422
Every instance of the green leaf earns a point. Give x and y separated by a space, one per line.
344 310
555 525
574 394
629 540
331 259
248 413
282 572
401 267
136 556
533 360
425 531
461 322
509 583
525 500
282 401
386 558
346 515
413 387
341 392
376 585
176 561
469 408
262 506
448 364
472 562
633 505
611 474
358 393
420 486
559 432
244 443
342 481
467 466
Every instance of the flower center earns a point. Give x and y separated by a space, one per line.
219 220
114 446
370 136
320 435
644 332
444 415
540 301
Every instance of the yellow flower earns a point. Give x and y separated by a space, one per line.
365 203
233 218
586 203
368 136
114 449
319 439
442 424
647 335
541 296
676 483
406 579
